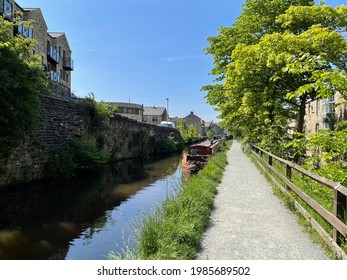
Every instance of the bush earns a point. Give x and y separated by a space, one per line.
22 82
101 113
169 145
81 154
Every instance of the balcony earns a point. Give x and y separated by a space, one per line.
68 64
24 31
329 117
54 76
52 54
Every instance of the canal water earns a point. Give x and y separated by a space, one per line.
85 217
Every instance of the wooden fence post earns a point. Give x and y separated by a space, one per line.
288 171
270 160
340 208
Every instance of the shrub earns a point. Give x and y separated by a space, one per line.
81 154
22 82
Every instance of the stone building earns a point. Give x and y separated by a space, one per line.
154 115
214 127
38 32
52 47
192 119
59 64
324 113
129 110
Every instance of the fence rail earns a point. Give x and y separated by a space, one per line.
337 219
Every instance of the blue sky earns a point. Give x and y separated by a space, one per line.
142 50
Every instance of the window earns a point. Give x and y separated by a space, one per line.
8 9
317 127
317 107
328 108
328 105
21 29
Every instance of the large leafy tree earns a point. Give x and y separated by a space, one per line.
22 80
188 133
276 57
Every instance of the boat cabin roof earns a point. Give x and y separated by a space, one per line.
205 144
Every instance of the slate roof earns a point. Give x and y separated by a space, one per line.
56 34
153 111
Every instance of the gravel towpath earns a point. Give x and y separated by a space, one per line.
249 223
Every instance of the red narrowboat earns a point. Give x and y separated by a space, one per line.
196 157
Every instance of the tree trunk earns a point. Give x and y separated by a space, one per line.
302 112
301 120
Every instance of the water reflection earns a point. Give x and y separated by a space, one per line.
85 217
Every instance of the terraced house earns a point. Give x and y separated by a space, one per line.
52 47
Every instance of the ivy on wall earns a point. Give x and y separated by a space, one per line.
23 80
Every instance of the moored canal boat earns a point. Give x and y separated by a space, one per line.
196 157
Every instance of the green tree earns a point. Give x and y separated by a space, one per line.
182 128
192 133
273 66
23 80
188 133
210 135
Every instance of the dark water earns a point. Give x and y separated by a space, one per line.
87 217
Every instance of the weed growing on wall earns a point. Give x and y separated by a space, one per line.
100 115
169 145
81 154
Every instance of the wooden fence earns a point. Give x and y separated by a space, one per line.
337 219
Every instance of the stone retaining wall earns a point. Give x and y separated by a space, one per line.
62 120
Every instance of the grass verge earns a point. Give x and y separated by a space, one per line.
315 237
174 230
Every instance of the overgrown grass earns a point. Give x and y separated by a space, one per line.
175 229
